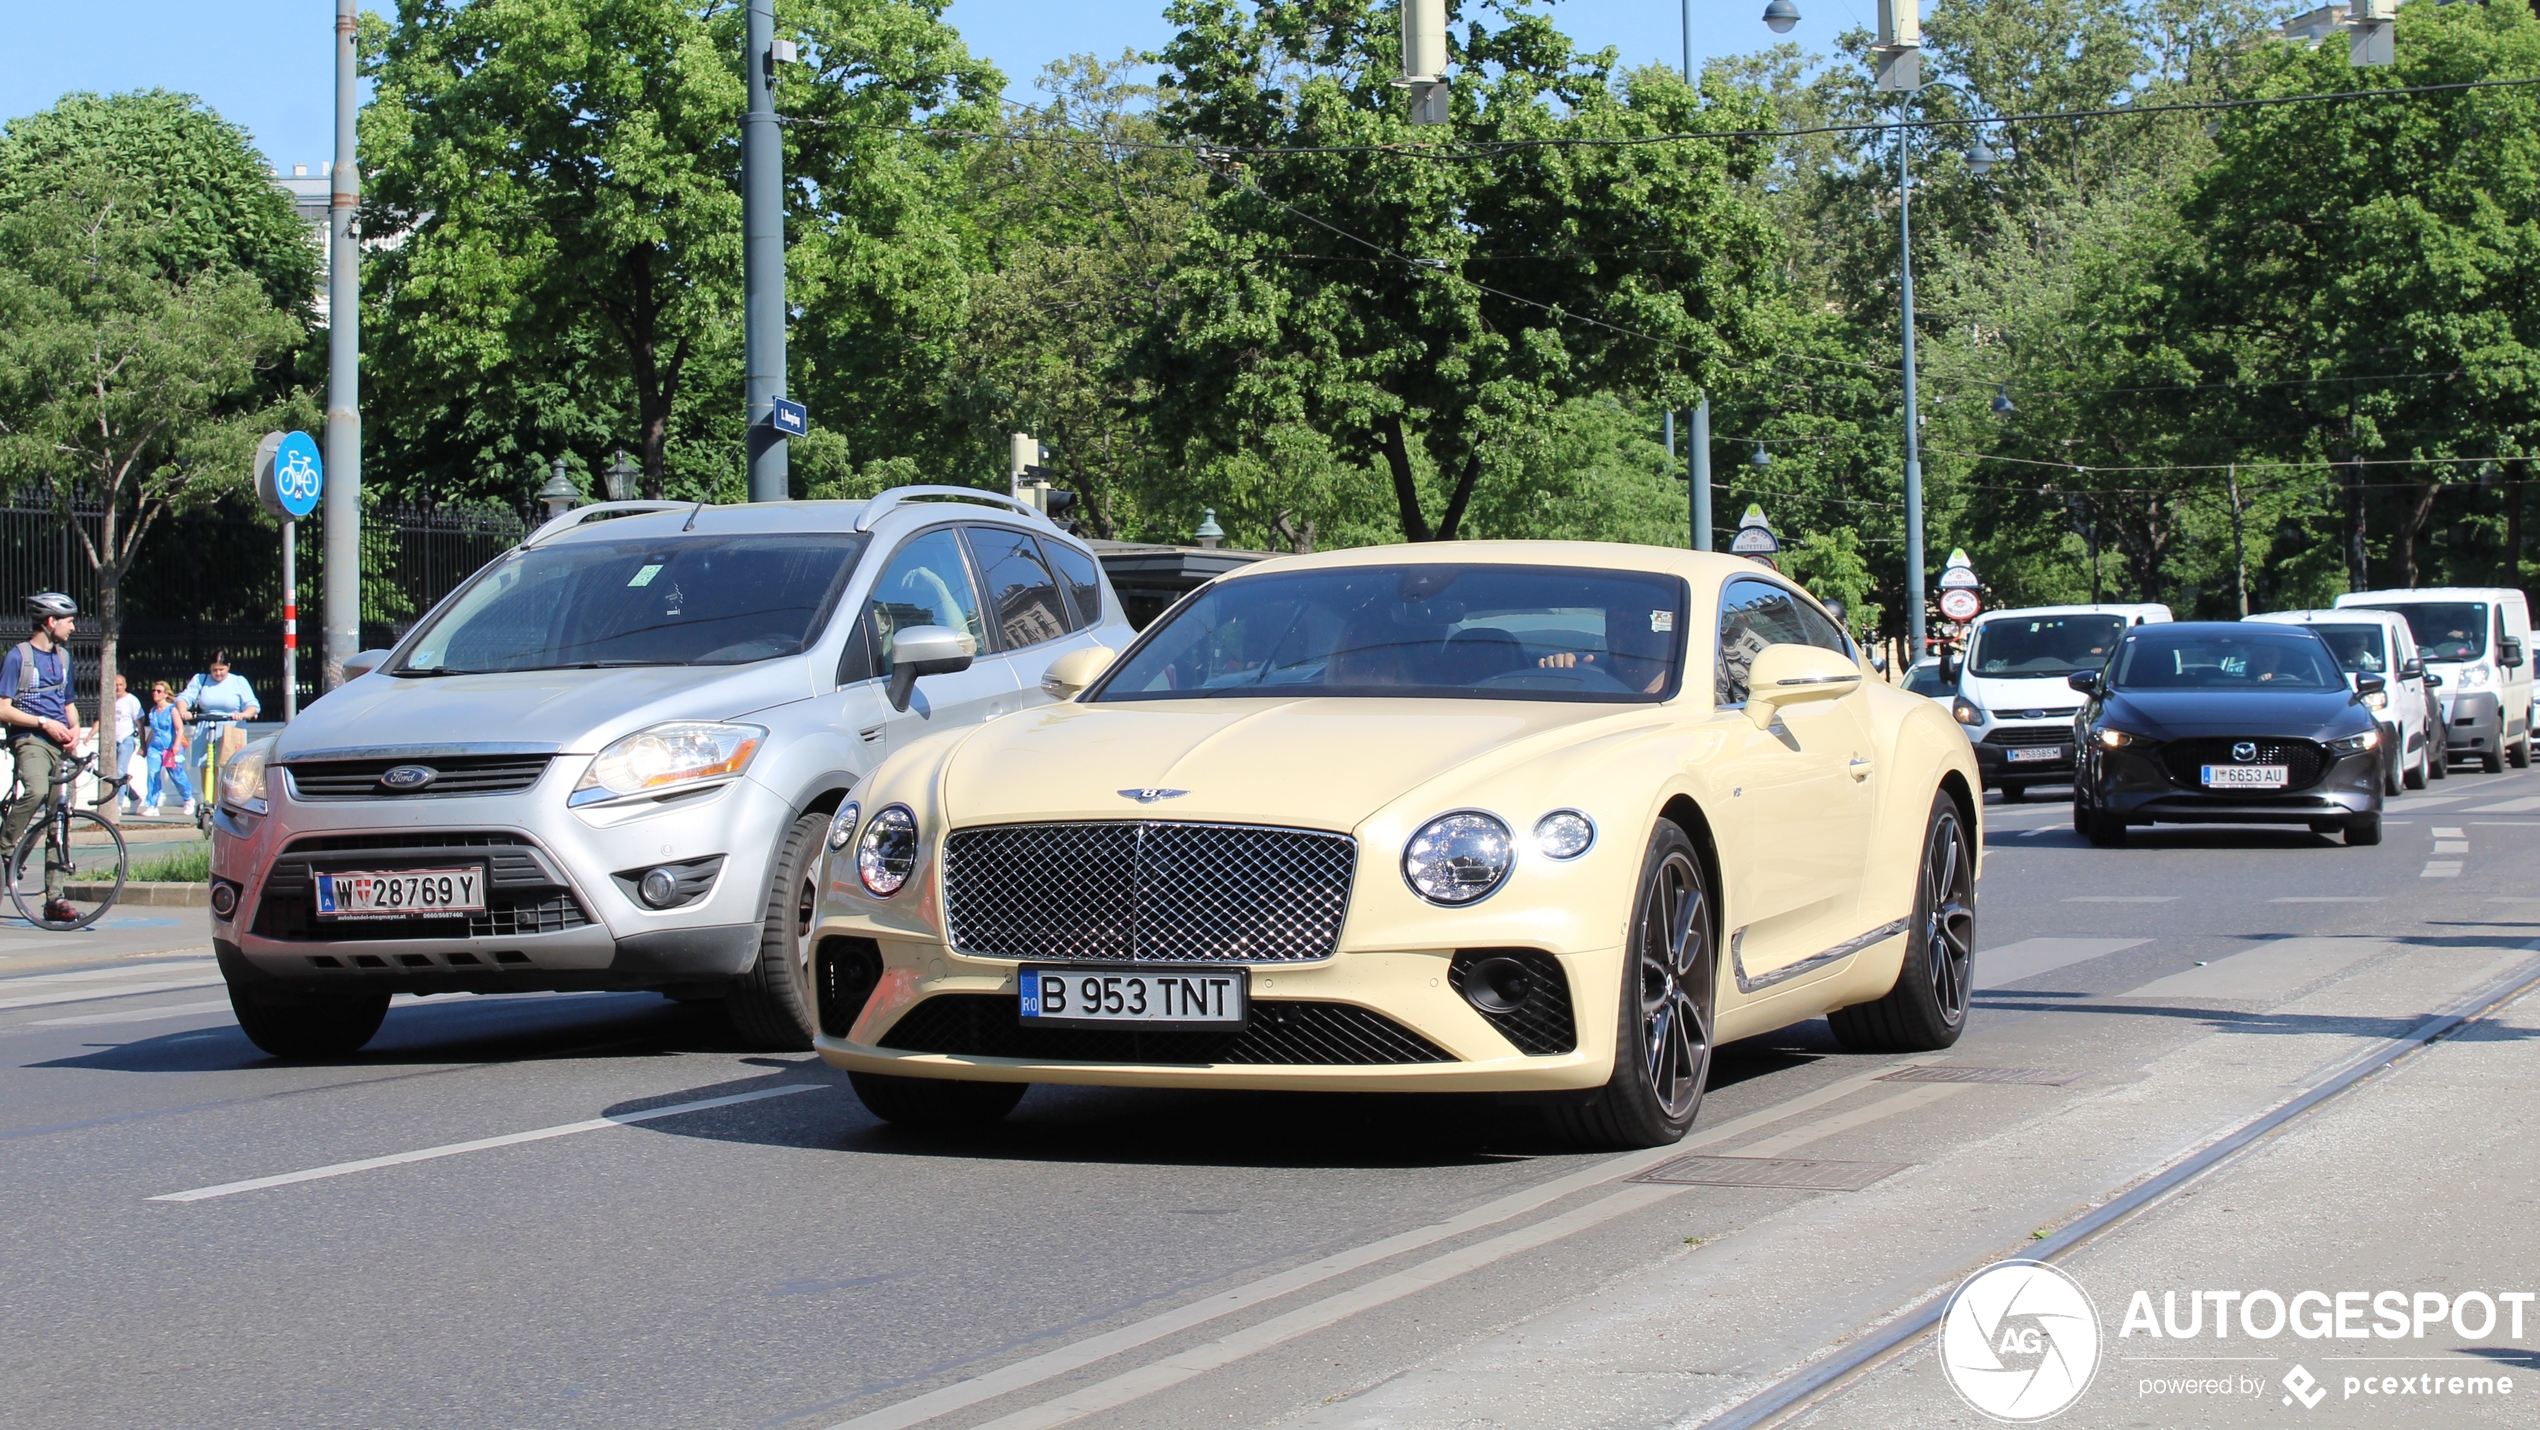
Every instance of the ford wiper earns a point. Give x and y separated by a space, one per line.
413 672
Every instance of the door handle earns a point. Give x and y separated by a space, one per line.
1860 768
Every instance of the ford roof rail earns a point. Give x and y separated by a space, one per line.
559 525
897 497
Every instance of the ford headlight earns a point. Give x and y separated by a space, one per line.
667 757
2377 700
1967 711
887 854
242 780
2357 744
2477 677
1459 858
842 825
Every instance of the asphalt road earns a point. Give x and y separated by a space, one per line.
780 1260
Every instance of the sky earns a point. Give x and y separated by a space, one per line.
269 64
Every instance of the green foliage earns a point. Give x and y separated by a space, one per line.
189 865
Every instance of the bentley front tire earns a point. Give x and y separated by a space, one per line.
1662 1050
924 1104
1927 1009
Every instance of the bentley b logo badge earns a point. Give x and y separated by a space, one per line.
406 779
1150 796
2245 751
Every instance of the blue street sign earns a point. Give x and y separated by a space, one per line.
789 417
290 481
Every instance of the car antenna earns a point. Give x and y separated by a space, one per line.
692 517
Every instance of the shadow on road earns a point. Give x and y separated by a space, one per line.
475 1030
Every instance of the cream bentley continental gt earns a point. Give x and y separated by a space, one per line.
1534 818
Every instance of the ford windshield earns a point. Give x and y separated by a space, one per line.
1456 631
687 600
2040 647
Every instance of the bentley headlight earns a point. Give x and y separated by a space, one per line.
1564 834
1967 711
842 826
887 854
1459 858
242 780
2357 744
665 757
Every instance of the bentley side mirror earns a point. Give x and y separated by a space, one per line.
925 650
2412 669
2369 685
2085 681
1068 675
2509 651
1795 674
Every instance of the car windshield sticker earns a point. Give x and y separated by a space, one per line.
1662 620
645 576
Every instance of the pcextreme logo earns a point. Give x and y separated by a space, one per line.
2019 1342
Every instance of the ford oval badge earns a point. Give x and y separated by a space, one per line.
406 779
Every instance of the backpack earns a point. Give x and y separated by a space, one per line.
29 680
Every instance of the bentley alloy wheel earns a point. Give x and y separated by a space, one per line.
1927 1007
1670 981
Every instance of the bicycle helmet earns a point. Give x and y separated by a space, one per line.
48 605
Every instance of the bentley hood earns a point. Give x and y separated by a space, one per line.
1312 763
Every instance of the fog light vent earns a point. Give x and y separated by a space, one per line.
1522 992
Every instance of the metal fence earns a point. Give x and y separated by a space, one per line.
211 580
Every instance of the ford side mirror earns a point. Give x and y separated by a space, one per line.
2085 681
2370 685
2412 669
2433 681
925 650
363 663
2509 651
1951 667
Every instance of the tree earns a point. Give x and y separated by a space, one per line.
1425 300
120 384
562 182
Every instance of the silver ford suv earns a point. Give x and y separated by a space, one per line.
608 761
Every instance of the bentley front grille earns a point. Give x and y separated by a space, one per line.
1147 891
451 775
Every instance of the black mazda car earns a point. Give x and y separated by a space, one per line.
2212 722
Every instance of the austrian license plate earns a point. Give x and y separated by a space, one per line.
1145 997
2245 776
400 893
2037 754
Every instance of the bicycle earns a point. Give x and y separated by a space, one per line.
207 773
59 845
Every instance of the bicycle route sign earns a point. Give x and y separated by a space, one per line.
290 475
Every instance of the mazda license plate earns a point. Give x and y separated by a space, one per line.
2245 776
1144 997
400 893
2037 754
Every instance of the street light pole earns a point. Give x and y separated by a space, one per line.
341 535
1913 437
1698 447
762 258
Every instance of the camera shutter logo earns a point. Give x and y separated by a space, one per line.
2019 1342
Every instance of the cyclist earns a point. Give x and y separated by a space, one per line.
36 706
214 700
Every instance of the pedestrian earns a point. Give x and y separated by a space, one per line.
213 701
36 706
127 721
165 752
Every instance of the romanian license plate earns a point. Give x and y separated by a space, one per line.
2245 776
400 893
1145 997
2037 754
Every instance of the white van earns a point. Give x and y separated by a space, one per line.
2476 638
2370 642
2014 697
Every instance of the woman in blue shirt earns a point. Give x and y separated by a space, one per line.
165 726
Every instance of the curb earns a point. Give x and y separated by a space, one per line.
143 895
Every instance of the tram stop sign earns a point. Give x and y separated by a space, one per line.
1960 605
290 475
1755 536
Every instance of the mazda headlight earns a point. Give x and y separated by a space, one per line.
2357 744
842 825
2120 739
2477 677
887 854
1967 711
242 780
1459 858
667 757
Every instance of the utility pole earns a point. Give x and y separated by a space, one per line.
1913 438
1698 453
762 257
342 534
2239 551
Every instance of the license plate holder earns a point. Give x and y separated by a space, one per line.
1159 998
441 892
2038 754
2246 776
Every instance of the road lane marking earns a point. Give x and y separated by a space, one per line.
2266 971
92 975
2441 869
86 995
137 1015
1188 1365
2451 846
1049 1365
2441 831
2328 899
482 1144
2123 899
2511 806
2032 956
